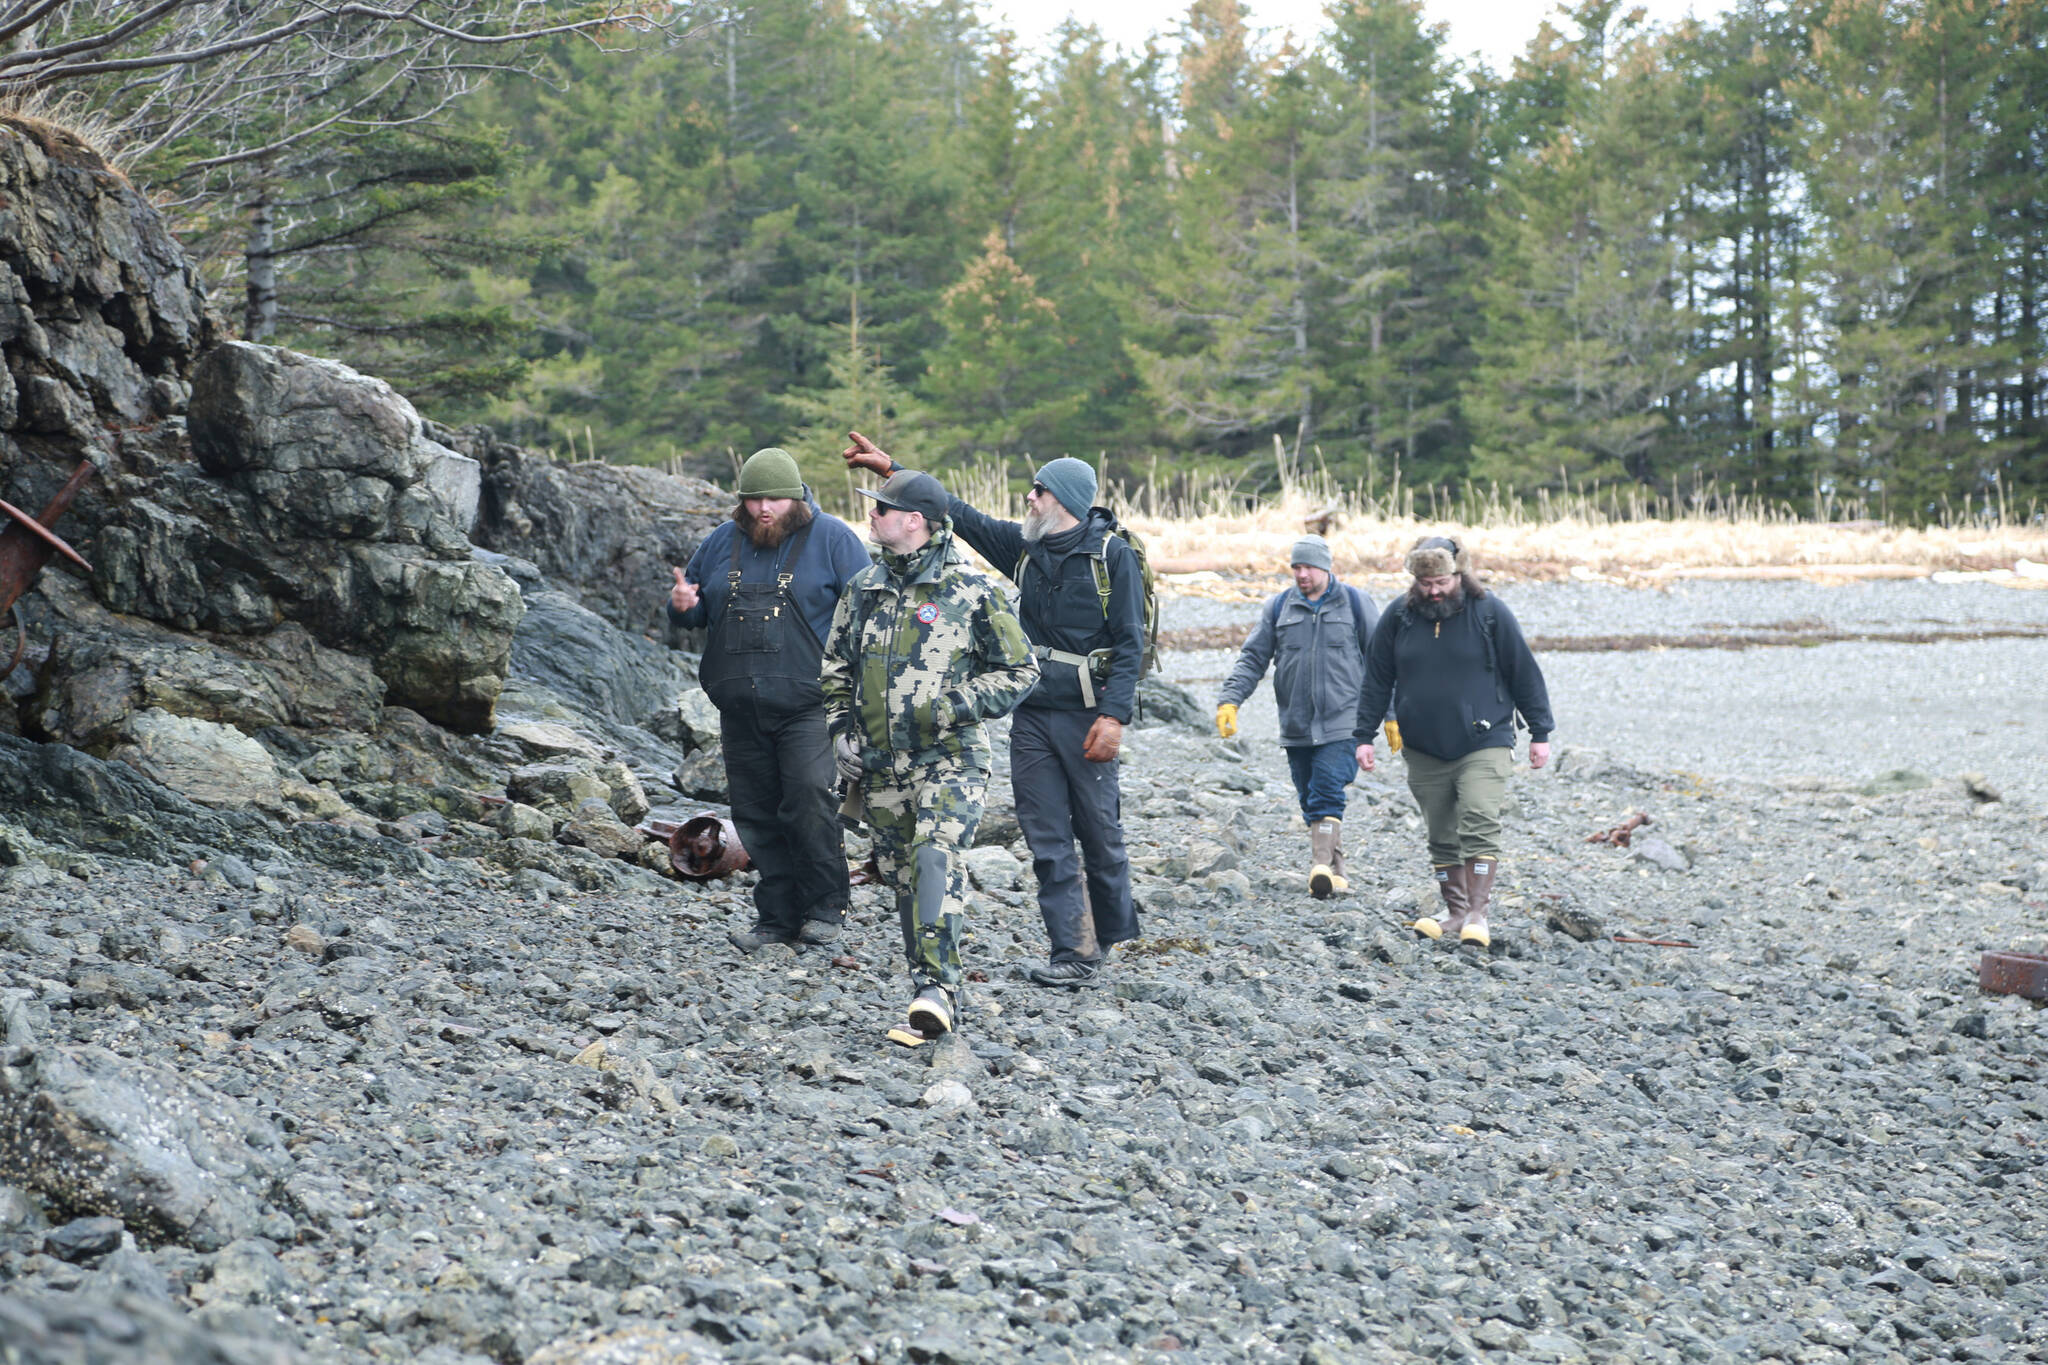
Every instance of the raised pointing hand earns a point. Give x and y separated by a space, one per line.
865 454
683 595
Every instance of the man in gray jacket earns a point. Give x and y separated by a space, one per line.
1314 636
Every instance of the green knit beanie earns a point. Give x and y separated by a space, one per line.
771 473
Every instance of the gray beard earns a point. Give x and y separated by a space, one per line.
1036 524
1438 611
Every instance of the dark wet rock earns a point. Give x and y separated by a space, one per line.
607 533
587 660
82 1239
702 776
1164 703
90 1132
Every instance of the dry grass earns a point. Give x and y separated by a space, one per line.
66 126
1594 535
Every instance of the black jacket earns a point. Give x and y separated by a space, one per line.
1061 607
1460 681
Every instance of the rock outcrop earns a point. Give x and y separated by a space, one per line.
101 314
316 498
607 533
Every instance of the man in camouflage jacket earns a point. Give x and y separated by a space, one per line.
923 650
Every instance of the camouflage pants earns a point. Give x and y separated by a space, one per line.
923 815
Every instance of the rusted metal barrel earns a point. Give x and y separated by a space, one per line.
2014 973
26 544
702 847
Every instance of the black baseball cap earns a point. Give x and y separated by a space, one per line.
911 491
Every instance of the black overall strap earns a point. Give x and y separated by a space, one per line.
792 552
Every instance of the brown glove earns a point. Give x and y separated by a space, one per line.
1105 737
865 454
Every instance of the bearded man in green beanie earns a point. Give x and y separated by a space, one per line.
765 585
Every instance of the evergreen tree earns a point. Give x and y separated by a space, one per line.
1001 369
1229 306
1394 212
1585 345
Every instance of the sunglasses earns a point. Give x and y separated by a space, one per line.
1039 490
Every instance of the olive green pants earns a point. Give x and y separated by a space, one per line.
1461 800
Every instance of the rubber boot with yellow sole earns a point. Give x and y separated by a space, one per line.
1326 872
1450 884
1479 874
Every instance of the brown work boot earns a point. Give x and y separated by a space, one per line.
1326 859
1479 875
1450 884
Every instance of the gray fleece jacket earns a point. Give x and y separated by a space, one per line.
1317 651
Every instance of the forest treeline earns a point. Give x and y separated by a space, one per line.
1802 245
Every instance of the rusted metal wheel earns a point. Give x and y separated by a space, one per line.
705 847
2014 973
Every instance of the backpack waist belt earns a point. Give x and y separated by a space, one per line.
1086 665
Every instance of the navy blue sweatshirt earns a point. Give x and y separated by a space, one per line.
1454 690
832 554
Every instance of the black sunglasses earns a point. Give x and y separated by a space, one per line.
1040 489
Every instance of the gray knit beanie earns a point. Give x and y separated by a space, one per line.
1072 482
771 473
1313 551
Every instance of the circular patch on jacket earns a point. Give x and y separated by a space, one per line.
928 613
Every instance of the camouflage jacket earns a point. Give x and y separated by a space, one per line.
924 649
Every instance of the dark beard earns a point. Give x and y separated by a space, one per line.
1426 610
772 535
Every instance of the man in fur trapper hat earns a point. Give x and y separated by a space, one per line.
1452 659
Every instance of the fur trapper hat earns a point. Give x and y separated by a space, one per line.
1438 557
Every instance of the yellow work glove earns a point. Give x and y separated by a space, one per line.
1393 730
1226 721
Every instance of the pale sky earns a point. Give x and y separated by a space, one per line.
1498 30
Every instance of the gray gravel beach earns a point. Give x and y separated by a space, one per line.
1845 710
432 1111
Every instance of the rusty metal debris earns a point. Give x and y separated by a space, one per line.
702 847
26 544
1618 837
2014 973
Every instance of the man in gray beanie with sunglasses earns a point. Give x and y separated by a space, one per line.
1081 597
1452 658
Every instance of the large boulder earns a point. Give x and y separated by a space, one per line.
92 1132
586 660
101 668
608 533
318 499
100 311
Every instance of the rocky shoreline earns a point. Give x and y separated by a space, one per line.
480 1120
346 1016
